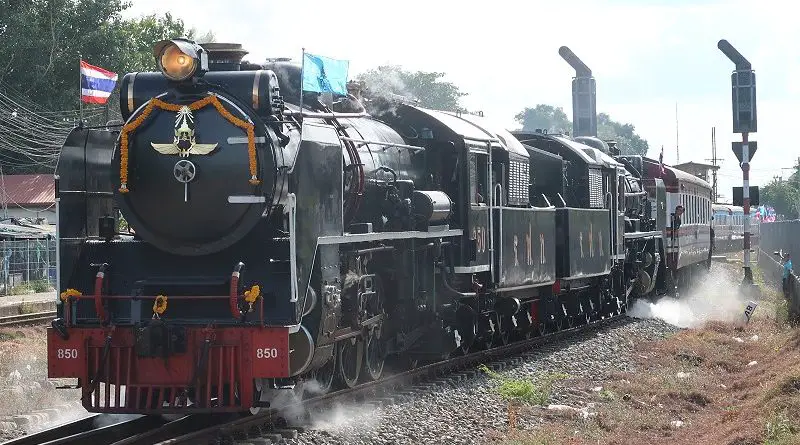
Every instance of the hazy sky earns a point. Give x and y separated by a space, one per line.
647 55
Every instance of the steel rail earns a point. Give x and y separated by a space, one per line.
158 430
24 319
86 431
367 389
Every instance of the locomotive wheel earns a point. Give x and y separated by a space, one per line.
504 330
349 355
374 354
487 337
524 327
467 325
324 378
585 316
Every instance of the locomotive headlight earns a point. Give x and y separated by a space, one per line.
180 59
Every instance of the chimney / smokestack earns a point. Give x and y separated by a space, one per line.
584 96
224 56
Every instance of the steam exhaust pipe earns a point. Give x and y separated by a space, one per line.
581 70
584 96
736 57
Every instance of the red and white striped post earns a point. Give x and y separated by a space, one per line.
748 273
743 84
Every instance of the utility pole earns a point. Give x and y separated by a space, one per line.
677 151
714 160
743 84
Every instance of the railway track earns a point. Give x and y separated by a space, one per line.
272 424
26 319
94 429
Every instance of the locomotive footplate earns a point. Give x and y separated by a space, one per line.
164 367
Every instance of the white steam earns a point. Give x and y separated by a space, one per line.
347 421
714 297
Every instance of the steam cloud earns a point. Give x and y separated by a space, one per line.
713 298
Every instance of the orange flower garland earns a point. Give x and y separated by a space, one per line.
70 293
194 106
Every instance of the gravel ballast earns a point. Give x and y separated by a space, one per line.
472 411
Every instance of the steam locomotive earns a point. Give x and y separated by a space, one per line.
227 246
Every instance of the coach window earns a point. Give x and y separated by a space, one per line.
478 183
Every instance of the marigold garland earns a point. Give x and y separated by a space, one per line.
194 106
70 293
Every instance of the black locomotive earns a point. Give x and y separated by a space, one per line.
271 245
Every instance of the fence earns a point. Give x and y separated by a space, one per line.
781 235
27 264
777 236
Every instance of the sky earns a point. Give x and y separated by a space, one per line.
646 56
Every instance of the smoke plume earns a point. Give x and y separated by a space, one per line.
714 297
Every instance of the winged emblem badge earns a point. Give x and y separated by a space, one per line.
184 142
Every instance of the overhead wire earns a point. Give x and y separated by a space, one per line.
30 135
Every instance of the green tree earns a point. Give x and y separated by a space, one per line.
625 134
555 120
545 117
426 87
41 43
784 195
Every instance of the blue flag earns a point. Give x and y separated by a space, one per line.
323 74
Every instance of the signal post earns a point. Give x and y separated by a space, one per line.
743 84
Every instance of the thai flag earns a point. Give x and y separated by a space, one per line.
96 84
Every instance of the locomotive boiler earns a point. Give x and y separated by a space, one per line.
229 244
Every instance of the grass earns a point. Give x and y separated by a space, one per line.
535 391
517 392
36 286
780 430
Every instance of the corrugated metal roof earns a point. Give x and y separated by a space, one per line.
27 190
19 231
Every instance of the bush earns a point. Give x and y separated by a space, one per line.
41 286
21 289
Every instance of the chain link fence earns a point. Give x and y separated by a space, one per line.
27 265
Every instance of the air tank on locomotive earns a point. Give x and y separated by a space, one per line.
196 178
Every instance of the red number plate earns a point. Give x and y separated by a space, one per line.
65 358
269 353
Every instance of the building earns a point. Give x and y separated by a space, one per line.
702 171
698 169
32 197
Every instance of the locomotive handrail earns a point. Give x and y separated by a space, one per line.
563 203
634 194
481 140
386 144
547 201
499 187
330 115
